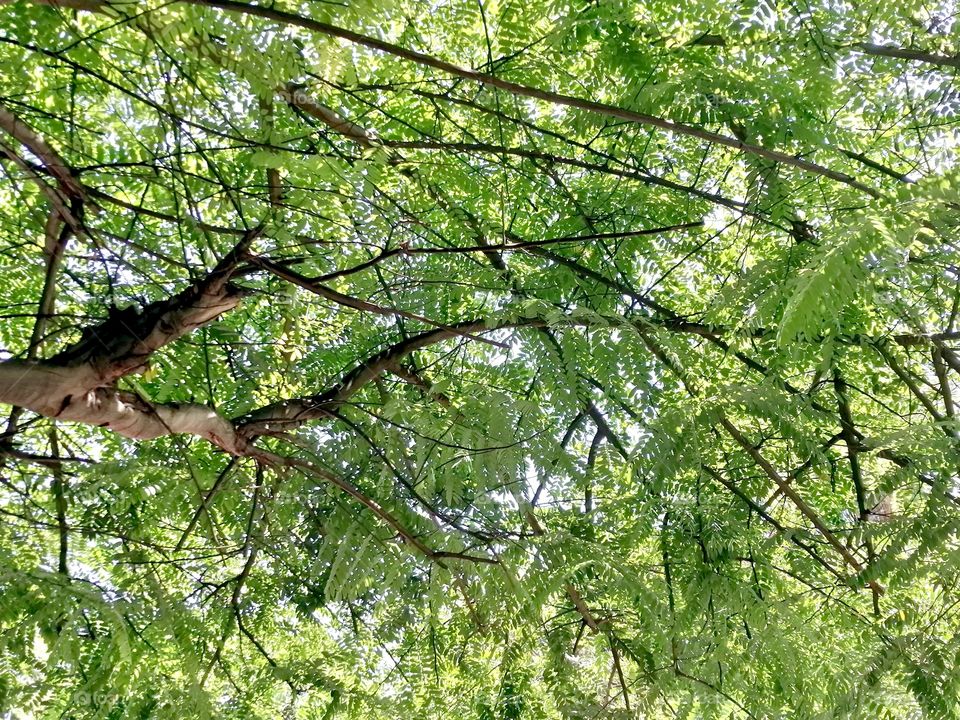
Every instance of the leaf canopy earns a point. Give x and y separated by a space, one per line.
539 359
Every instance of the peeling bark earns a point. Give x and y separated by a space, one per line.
63 393
125 341
77 384
129 415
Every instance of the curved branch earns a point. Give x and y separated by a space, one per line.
270 13
284 415
30 139
77 383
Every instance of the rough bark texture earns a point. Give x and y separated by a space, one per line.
78 383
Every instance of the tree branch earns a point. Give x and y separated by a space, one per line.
276 15
798 501
76 384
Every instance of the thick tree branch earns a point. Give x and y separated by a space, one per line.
76 384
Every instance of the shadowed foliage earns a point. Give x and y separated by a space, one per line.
479 358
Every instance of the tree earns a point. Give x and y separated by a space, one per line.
513 360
